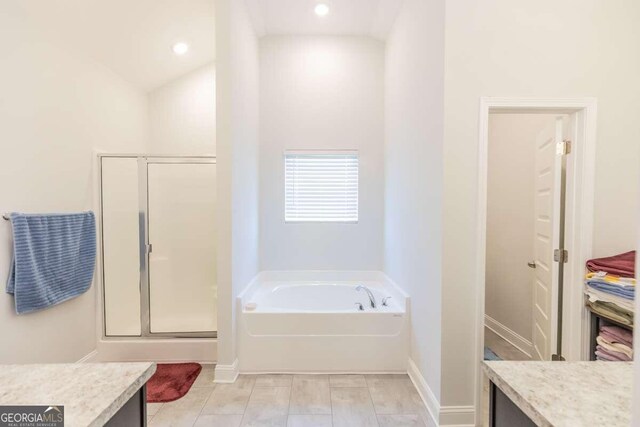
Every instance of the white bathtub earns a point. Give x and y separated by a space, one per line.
311 322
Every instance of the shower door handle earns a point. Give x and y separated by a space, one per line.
532 264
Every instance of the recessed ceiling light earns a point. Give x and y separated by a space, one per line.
180 48
321 9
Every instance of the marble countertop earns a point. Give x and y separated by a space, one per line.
90 392
571 394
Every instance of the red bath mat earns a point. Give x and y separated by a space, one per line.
171 381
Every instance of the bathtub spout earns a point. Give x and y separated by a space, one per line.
372 299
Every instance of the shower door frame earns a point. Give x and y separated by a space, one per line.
143 161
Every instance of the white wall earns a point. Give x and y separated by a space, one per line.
413 173
511 218
182 114
572 48
321 92
237 121
55 109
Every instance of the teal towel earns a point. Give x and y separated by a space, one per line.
53 258
490 355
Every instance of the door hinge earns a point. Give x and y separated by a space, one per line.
149 248
563 148
561 255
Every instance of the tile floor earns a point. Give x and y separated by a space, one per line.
295 401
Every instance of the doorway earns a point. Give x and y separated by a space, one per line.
544 317
525 218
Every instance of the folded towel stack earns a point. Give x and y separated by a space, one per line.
614 344
611 287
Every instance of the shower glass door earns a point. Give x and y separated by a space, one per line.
182 239
158 246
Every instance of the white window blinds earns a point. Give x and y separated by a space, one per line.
321 186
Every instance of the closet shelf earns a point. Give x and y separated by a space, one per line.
596 319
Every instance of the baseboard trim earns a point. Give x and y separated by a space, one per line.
426 394
457 416
450 416
513 338
226 373
91 357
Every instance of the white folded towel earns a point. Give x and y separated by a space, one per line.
595 295
620 348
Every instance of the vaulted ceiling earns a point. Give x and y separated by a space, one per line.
346 17
134 37
131 37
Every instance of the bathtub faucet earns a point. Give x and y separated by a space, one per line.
372 299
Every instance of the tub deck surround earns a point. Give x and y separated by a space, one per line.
321 297
281 291
92 393
292 322
571 394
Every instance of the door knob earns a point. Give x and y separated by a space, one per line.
532 264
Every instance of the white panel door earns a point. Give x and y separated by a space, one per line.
547 194
121 246
182 232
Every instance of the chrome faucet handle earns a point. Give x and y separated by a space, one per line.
384 301
360 306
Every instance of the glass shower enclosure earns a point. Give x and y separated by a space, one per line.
158 229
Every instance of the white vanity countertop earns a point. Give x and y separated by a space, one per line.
571 394
90 392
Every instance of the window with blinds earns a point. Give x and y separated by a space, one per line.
321 186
